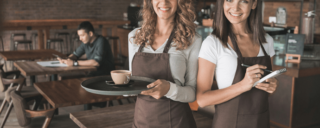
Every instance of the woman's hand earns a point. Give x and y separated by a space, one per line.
161 87
253 74
269 87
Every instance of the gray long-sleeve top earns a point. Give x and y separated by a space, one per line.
183 64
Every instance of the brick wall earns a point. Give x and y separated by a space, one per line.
65 9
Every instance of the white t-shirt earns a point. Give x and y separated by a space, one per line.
226 59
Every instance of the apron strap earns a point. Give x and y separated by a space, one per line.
167 47
141 46
264 51
235 45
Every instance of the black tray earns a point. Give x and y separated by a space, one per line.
111 83
98 85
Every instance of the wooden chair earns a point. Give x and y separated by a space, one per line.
24 41
75 41
67 39
31 118
29 93
9 75
2 49
55 41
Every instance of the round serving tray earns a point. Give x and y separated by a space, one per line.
98 85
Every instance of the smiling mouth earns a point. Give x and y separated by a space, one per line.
235 14
164 9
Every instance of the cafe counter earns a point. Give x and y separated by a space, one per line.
296 102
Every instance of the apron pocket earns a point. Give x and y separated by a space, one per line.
254 121
151 113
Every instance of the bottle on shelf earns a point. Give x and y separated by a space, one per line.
307 27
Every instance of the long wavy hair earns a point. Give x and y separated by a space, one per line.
184 29
222 26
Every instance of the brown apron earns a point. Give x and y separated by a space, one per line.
162 113
250 109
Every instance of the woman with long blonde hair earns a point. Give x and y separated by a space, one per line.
165 48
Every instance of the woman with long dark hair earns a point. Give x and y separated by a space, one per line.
165 48
238 38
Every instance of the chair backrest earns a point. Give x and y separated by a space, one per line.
1 68
19 81
2 75
20 105
4 82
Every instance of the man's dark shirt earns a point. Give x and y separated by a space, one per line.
100 51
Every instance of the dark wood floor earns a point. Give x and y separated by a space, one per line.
12 122
202 121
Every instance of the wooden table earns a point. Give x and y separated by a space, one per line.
69 92
121 117
43 26
31 68
30 54
112 117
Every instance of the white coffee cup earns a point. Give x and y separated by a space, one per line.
121 76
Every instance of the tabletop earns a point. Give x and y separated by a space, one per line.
121 116
31 68
30 54
69 92
111 117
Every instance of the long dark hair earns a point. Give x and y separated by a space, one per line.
222 26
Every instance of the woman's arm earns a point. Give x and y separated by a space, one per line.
206 96
182 92
186 92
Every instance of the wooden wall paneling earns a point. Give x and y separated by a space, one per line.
46 37
123 35
115 47
280 100
306 110
40 39
292 100
201 5
317 36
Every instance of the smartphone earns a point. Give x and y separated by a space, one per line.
57 56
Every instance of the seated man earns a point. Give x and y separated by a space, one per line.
96 48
